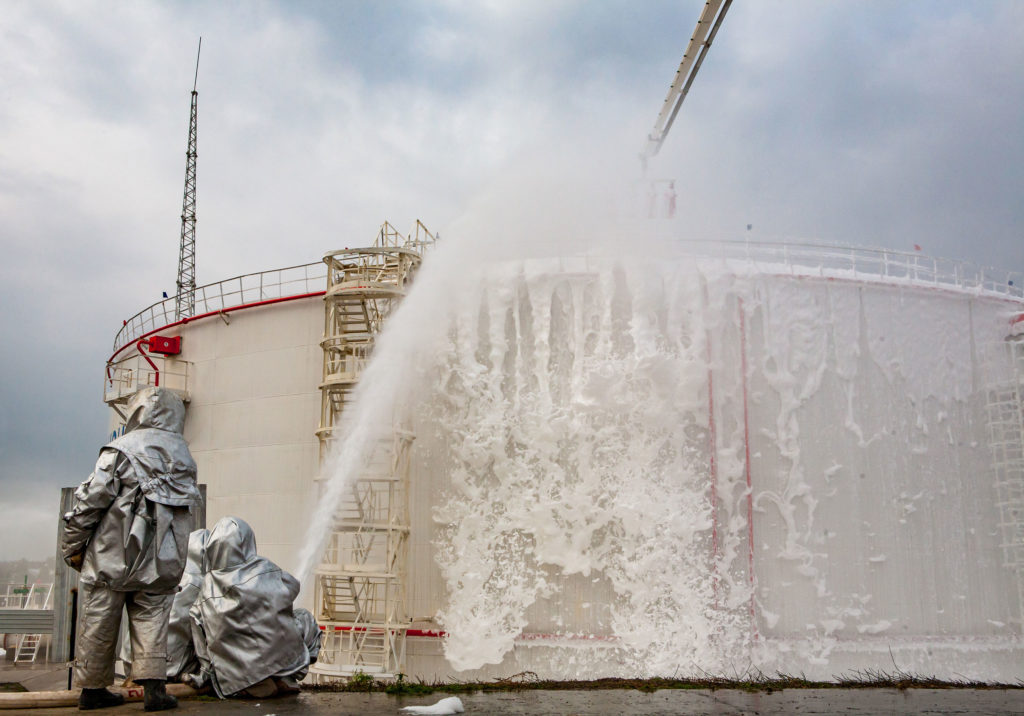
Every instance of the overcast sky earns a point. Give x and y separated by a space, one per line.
877 123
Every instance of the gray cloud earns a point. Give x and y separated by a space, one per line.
868 123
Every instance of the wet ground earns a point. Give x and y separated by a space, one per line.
627 702
580 703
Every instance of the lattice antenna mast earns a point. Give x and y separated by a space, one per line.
185 301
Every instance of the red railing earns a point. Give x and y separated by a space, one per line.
229 294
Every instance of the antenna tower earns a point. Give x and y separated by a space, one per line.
185 299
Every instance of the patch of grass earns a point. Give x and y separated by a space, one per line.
361 681
869 678
11 687
401 687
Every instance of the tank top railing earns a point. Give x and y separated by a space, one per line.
774 257
237 291
865 263
830 261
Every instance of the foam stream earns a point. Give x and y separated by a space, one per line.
564 422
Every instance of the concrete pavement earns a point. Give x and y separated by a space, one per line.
625 702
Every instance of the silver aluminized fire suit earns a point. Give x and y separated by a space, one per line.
310 631
181 654
128 533
243 624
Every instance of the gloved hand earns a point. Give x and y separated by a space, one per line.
75 561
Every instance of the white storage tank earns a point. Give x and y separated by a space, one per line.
795 457
783 456
249 369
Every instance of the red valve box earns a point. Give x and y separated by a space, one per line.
165 345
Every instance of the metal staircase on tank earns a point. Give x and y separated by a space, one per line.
360 587
1005 413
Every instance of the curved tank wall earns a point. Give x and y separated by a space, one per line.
658 468
632 468
251 378
252 417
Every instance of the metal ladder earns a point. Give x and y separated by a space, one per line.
360 592
28 648
1005 417
28 644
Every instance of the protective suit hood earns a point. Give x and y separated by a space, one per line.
231 544
154 444
131 517
156 408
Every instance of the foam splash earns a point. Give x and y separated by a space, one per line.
574 406
584 426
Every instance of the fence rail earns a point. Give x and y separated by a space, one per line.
277 283
787 257
832 261
130 373
865 263
17 595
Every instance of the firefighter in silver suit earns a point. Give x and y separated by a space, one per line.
128 535
181 654
244 628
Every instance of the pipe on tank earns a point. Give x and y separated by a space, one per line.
156 371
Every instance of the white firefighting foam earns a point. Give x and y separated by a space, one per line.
593 424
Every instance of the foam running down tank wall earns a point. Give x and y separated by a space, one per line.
743 455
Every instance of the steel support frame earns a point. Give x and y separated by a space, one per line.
185 299
1005 418
360 584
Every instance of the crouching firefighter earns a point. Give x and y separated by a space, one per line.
128 534
248 638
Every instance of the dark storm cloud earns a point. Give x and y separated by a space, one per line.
868 123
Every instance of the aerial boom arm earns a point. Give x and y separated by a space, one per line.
707 27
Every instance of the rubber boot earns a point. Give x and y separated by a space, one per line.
156 696
91 699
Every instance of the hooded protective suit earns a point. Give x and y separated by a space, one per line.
128 532
181 654
311 634
244 628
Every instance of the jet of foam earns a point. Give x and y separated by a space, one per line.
569 405
562 216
